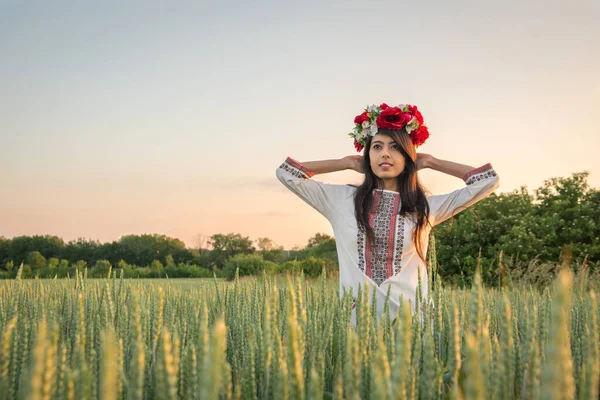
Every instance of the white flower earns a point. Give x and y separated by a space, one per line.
366 124
412 125
372 107
373 129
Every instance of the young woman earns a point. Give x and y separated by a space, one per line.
382 227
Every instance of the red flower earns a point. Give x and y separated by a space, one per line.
359 119
415 111
358 146
383 106
393 118
419 136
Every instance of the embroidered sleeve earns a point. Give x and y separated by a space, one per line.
319 195
296 169
480 183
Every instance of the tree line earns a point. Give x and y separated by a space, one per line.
154 256
510 231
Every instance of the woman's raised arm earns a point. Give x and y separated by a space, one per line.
480 183
326 166
447 167
323 197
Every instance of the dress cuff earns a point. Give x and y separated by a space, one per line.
296 168
478 174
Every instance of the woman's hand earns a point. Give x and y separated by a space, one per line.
423 160
354 163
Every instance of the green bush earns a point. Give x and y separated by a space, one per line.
248 264
100 269
187 271
292 267
313 266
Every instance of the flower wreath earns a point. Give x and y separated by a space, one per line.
384 116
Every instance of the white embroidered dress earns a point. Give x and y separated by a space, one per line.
394 261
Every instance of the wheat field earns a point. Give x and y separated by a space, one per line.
280 338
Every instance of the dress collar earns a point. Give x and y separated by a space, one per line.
389 199
386 191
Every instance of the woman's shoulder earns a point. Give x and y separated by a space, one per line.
350 190
347 190
342 195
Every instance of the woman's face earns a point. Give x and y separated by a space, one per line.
387 161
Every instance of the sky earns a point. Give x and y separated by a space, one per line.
138 117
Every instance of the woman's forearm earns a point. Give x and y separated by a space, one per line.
449 167
326 166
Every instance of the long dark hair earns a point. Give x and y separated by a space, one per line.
412 195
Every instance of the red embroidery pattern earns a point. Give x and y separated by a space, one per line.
383 257
399 243
298 166
484 172
482 176
294 171
477 170
361 239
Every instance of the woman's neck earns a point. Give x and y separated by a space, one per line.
388 184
